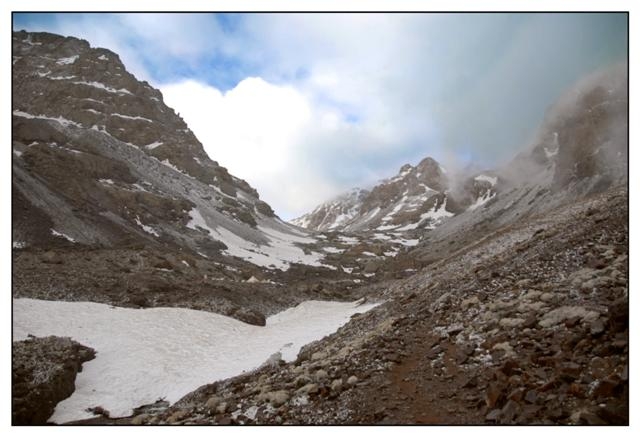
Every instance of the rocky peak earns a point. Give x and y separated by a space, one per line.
89 87
100 160
414 195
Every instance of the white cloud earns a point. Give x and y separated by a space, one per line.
255 130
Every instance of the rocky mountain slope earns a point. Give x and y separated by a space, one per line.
518 313
503 294
528 325
115 200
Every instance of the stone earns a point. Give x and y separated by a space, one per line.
506 348
454 329
618 313
510 367
605 388
511 322
298 370
472 301
434 352
547 297
336 385
471 382
140 419
321 375
530 322
222 408
318 356
570 371
614 413
276 398
279 397
308 389
517 395
493 415
213 402
493 394
509 411
353 380
561 314
177 416
531 396
532 295
596 328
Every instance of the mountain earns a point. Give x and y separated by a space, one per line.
418 197
476 297
516 311
106 176
578 148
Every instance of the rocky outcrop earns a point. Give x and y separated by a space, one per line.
43 373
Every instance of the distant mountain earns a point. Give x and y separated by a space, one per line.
418 197
581 147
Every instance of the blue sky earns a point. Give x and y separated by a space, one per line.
324 102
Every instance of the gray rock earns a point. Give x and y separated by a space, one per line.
321 375
213 402
336 385
308 389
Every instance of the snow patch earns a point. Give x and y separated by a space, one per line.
60 234
63 121
102 86
481 200
61 77
333 250
197 221
147 229
67 61
147 354
483 177
131 117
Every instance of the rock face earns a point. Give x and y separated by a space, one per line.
100 160
43 373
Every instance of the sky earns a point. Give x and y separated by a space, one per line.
307 106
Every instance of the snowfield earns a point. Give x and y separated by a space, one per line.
147 354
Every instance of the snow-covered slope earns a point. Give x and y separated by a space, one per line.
165 353
100 160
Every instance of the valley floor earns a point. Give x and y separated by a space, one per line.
526 325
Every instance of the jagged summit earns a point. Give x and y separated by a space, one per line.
412 198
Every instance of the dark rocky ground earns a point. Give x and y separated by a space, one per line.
526 326
43 373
